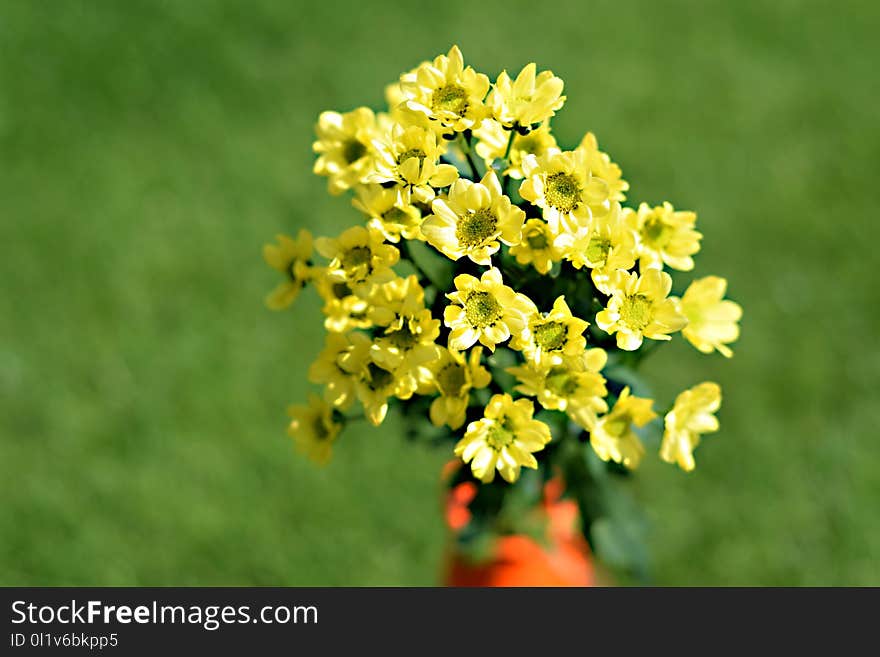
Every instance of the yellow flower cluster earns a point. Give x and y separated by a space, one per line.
471 170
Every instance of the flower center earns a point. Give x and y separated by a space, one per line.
636 311
499 436
597 249
378 378
451 379
561 382
412 152
356 257
353 150
562 191
450 98
319 429
550 336
482 309
537 239
341 290
403 338
656 232
397 216
475 228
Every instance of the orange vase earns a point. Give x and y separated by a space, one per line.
519 560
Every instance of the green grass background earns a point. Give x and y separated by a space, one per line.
149 149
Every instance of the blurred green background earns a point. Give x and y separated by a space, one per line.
148 149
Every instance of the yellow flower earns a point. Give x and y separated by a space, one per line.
388 214
712 320
454 377
484 310
343 309
409 156
600 164
473 219
374 382
560 183
504 439
612 436
527 100
639 308
290 257
397 300
325 370
691 416
313 429
575 386
666 237
549 339
447 92
607 245
538 246
407 344
359 258
492 145
344 143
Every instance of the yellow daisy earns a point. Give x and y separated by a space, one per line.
538 246
504 439
575 386
691 416
359 258
529 99
291 258
313 429
344 147
484 310
712 320
453 377
639 308
550 338
600 164
343 309
447 92
612 436
388 214
409 157
492 145
560 183
472 220
666 237
607 245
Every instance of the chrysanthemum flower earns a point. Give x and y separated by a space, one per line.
473 219
712 320
484 310
344 144
313 429
560 183
538 246
639 308
549 339
453 377
407 345
529 99
607 245
343 309
574 386
359 258
394 302
326 371
492 145
290 257
391 217
601 165
375 383
691 416
504 439
666 237
409 157
612 436
447 92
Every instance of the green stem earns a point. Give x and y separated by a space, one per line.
506 183
466 148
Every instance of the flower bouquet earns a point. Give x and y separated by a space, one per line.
495 290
